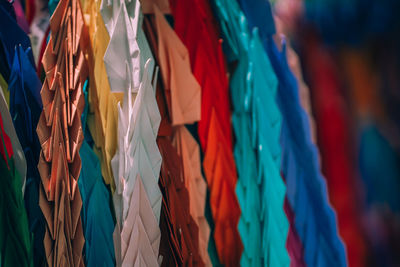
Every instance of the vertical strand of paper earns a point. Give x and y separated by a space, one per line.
194 24
103 112
314 217
174 177
60 134
336 152
261 192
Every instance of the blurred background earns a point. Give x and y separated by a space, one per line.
348 55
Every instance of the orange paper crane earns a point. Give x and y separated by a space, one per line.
195 25
178 97
60 134
183 97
